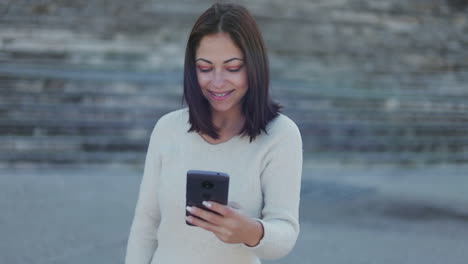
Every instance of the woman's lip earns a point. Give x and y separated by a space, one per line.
220 92
220 97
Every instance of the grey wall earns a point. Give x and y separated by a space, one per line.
366 81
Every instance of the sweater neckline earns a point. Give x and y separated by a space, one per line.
218 145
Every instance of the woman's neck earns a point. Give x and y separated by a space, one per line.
228 123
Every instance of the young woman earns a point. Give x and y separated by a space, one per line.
231 125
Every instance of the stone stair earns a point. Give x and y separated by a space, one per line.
366 81
80 121
375 127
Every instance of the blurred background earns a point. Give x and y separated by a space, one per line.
378 88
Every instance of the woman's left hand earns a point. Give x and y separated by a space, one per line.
230 226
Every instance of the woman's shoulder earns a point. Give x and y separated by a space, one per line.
172 120
282 125
180 115
281 132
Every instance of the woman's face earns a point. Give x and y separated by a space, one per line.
221 72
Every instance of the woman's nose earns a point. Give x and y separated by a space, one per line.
218 80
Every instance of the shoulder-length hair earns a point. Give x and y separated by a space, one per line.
257 106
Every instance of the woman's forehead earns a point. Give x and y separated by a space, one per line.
218 47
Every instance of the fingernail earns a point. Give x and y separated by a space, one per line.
207 204
188 218
189 208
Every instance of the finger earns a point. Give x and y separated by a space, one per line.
205 225
219 208
205 215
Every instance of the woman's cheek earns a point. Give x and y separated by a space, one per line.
202 80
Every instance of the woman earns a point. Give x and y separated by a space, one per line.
231 125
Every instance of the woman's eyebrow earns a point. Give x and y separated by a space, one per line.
226 61
207 61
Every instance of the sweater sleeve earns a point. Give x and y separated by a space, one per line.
281 180
142 241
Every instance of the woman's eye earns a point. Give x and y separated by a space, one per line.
235 69
204 69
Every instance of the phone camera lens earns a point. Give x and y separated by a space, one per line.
207 185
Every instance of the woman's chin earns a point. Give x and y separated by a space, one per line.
222 108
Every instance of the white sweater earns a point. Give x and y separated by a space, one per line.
265 177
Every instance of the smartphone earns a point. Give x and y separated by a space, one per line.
206 186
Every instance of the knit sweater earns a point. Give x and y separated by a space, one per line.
265 177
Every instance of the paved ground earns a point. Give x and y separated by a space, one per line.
352 215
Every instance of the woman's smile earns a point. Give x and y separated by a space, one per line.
220 96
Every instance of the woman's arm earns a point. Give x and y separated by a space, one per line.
281 185
142 241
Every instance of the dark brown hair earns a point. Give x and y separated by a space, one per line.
257 105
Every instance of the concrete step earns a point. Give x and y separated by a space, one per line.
377 158
78 143
97 104
95 157
86 72
72 129
45 88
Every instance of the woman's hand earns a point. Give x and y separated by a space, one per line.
231 226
